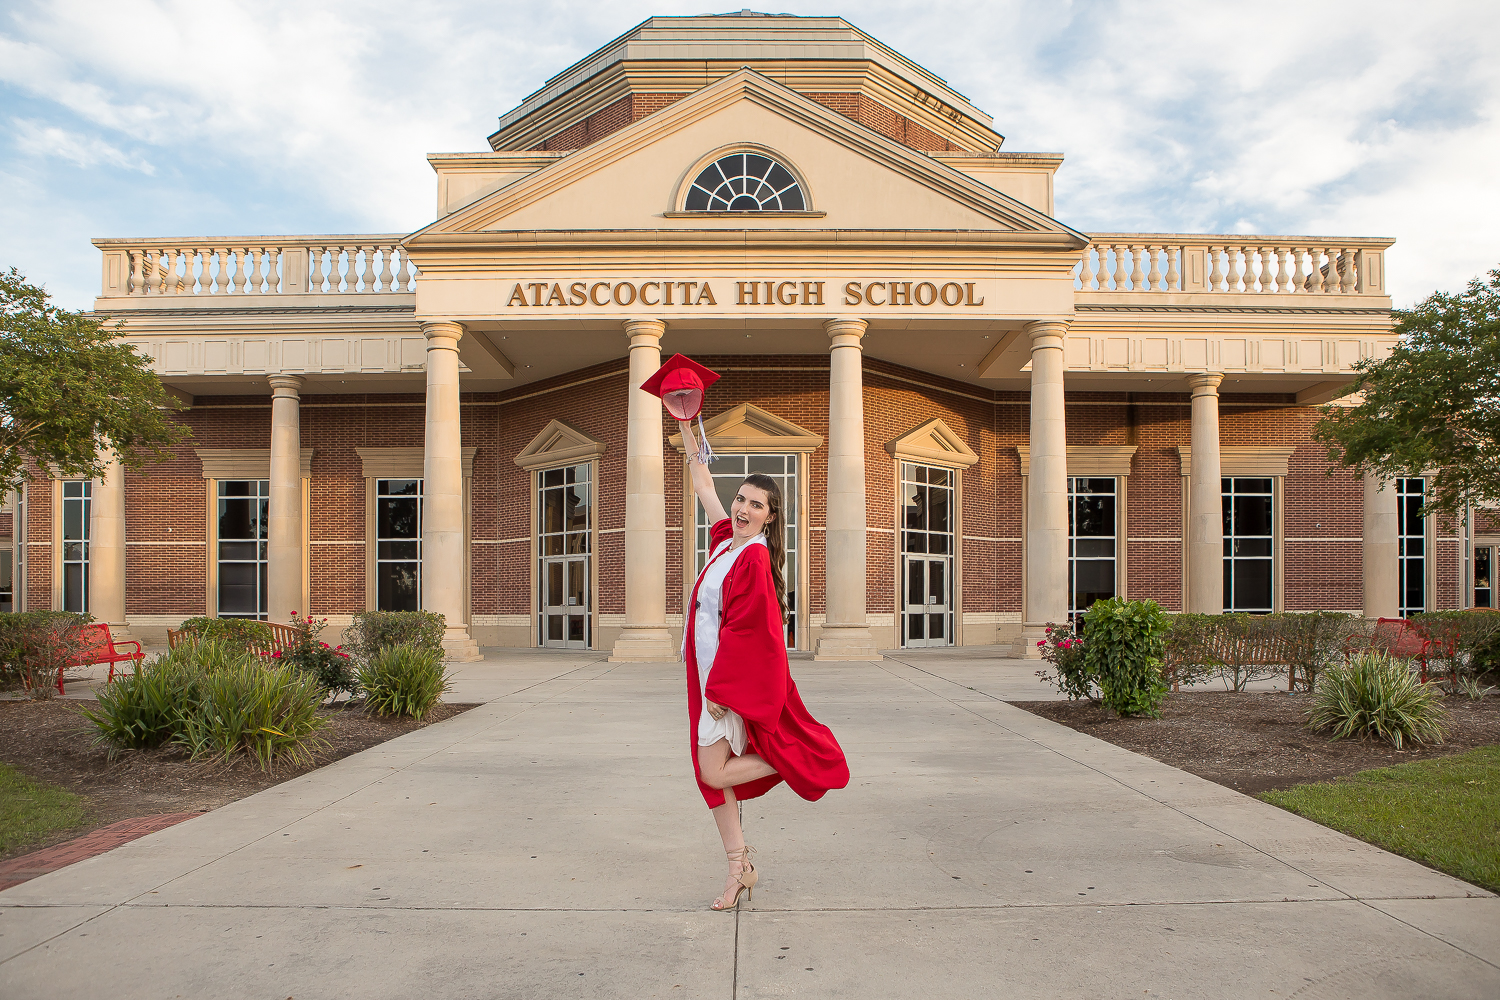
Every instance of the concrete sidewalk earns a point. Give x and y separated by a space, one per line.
551 844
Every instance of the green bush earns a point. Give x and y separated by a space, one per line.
269 713
1063 648
1313 640
373 631
1465 643
329 665
403 680
35 645
1190 656
1377 696
1124 646
243 632
213 699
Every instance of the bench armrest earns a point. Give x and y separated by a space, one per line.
128 642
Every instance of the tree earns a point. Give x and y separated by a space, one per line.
69 389
1433 404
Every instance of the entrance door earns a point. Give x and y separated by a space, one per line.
565 521
565 602
927 600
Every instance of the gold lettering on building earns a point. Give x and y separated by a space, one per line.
759 292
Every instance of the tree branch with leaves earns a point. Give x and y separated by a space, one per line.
70 392
1432 408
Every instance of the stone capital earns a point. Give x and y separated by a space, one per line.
443 334
285 386
845 331
1046 333
645 332
1205 383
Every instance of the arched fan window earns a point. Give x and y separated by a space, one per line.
745 182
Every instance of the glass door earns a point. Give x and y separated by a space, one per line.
1092 543
927 547
563 538
729 471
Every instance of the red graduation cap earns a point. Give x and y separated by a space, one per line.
681 383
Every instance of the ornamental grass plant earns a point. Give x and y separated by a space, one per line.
404 680
214 700
1377 696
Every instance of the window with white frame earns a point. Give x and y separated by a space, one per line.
243 508
398 544
1249 544
1093 543
1411 536
564 540
77 495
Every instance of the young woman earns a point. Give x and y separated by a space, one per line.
749 728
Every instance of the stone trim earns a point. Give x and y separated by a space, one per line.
933 443
245 463
1243 460
747 429
558 444
402 463
1090 460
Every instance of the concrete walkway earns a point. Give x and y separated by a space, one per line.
551 844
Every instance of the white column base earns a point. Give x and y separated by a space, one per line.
120 631
1024 646
847 642
644 644
459 646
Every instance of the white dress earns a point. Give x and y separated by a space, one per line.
706 644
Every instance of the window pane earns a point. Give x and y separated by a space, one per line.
238 550
1095 548
937 509
768 465
552 477
1252 515
554 585
1095 515
1252 547
916 541
937 591
397 586
915 584
396 518
238 590
398 487
73 517
396 550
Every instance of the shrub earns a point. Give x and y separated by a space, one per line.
243 632
1124 645
35 645
1190 656
1063 648
329 665
1312 640
373 631
403 680
1464 642
269 713
1375 695
214 700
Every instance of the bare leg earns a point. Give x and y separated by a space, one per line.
727 818
721 769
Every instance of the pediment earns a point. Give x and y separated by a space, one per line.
856 178
558 444
934 443
748 428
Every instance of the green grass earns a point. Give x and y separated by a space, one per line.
30 811
1444 813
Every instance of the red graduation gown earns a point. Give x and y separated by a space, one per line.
751 676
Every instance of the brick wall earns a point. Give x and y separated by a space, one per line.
167 506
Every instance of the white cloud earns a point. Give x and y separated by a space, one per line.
36 139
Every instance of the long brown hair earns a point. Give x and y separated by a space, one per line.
775 532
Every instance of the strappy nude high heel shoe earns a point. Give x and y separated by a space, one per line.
745 879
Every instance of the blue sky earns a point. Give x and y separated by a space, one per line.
200 119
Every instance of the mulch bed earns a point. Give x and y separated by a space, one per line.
47 741
1255 742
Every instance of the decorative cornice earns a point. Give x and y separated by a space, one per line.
933 443
748 428
1089 459
559 444
245 463
403 463
1237 460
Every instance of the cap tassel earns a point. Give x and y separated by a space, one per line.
705 453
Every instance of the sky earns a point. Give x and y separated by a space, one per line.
218 118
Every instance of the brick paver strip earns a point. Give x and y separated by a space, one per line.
106 838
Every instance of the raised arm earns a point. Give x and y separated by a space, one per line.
703 480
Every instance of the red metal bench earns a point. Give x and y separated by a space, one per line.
1400 638
98 646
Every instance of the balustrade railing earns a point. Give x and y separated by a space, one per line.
308 265
1146 262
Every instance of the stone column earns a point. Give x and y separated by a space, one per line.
1381 549
1205 500
284 575
107 549
1046 490
846 631
645 638
443 559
